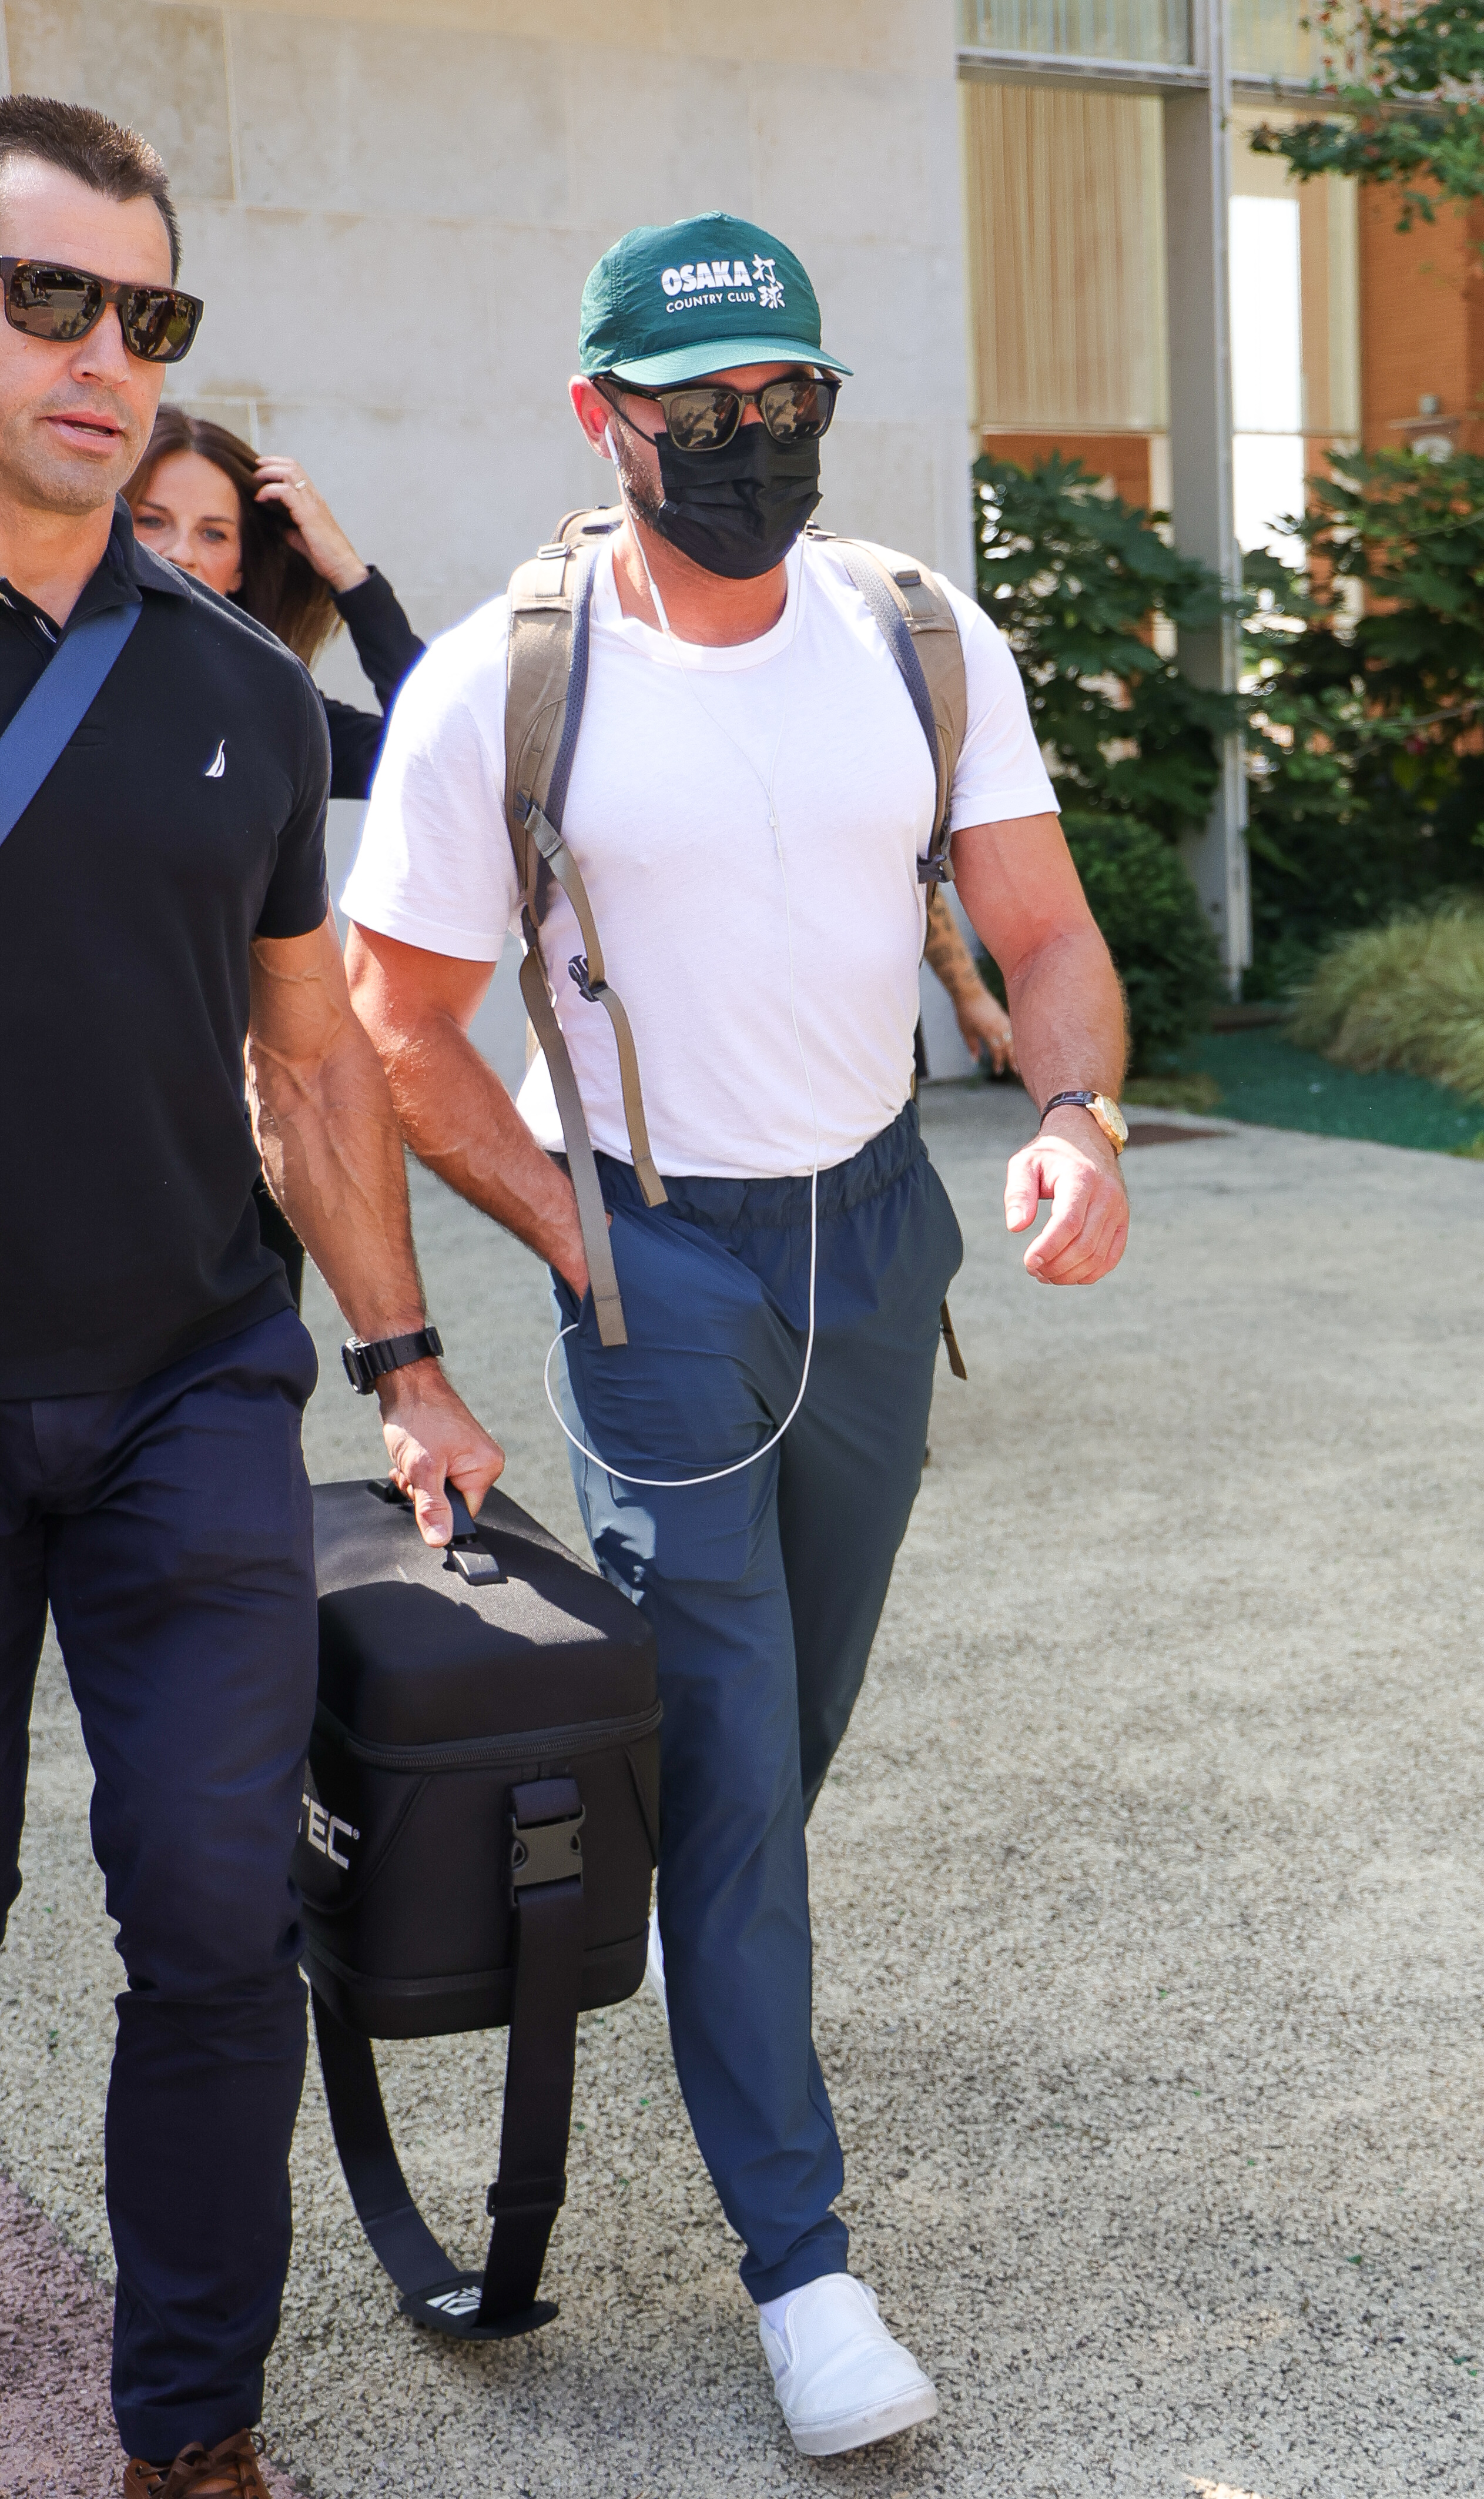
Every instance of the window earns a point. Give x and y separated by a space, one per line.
1268 39
1267 369
1103 30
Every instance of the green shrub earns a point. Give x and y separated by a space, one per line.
1086 590
1190 1090
1158 933
1409 996
1366 775
1364 699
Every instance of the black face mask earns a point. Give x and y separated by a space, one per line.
737 511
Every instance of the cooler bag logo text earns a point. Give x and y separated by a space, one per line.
321 1827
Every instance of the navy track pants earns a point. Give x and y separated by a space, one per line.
169 1526
764 1591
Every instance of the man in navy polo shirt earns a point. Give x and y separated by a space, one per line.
162 906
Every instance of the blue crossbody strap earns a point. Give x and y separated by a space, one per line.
56 706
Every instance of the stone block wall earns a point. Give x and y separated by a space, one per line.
390 207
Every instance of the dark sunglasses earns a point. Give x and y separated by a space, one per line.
703 417
49 301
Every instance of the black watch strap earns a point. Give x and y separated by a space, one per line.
365 1364
1080 1101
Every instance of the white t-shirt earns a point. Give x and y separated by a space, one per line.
667 818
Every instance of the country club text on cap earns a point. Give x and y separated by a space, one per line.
666 304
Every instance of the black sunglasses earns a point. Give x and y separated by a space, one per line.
49 301
703 417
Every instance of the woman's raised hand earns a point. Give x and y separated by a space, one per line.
315 530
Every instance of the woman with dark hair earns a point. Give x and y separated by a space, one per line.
258 532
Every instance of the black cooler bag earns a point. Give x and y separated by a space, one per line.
478 1832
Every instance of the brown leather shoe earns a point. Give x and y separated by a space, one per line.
229 2472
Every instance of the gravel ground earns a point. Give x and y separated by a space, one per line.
1148 1900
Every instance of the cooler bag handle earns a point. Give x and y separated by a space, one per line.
545 1874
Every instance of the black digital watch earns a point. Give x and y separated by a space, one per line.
365 1364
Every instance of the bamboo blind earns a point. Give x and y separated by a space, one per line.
1065 224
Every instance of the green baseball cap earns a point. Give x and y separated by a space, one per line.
666 304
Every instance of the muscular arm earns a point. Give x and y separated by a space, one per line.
1018 883
328 1137
455 1114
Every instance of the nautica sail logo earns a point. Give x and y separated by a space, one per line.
216 769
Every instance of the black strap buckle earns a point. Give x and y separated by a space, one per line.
578 968
540 2195
545 1852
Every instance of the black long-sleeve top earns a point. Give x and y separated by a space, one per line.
387 648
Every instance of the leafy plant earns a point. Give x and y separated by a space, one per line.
1365 748
1178 1090
1364 701
1086 590
1409 996
1158 933
1089 592
1159 937
1407 85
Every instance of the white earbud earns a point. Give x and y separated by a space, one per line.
610 448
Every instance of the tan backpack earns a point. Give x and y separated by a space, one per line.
551 601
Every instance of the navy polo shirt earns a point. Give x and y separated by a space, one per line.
184 819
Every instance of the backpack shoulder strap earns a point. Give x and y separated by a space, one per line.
921 632
551 599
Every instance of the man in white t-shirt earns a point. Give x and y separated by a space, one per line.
749 805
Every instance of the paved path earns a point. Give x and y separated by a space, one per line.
1148 1903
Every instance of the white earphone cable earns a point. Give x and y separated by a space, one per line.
682 1483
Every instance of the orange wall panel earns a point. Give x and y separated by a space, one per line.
1123 457
1422 320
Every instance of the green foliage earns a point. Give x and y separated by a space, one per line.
1085 589
1077 582
1189 1090
1364 702
1406 87
1158 933
1366 796
1409 996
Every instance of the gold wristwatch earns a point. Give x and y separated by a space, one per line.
1104 1108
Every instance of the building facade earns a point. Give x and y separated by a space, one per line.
1032 223
390 207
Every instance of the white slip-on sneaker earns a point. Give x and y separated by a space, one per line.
654 1966
841 2378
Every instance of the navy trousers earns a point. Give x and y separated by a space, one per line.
764 1591
169 1526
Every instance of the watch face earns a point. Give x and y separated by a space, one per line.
1114 1118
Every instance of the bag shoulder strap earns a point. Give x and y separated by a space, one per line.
543 1862
546 677
920 631
56 706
